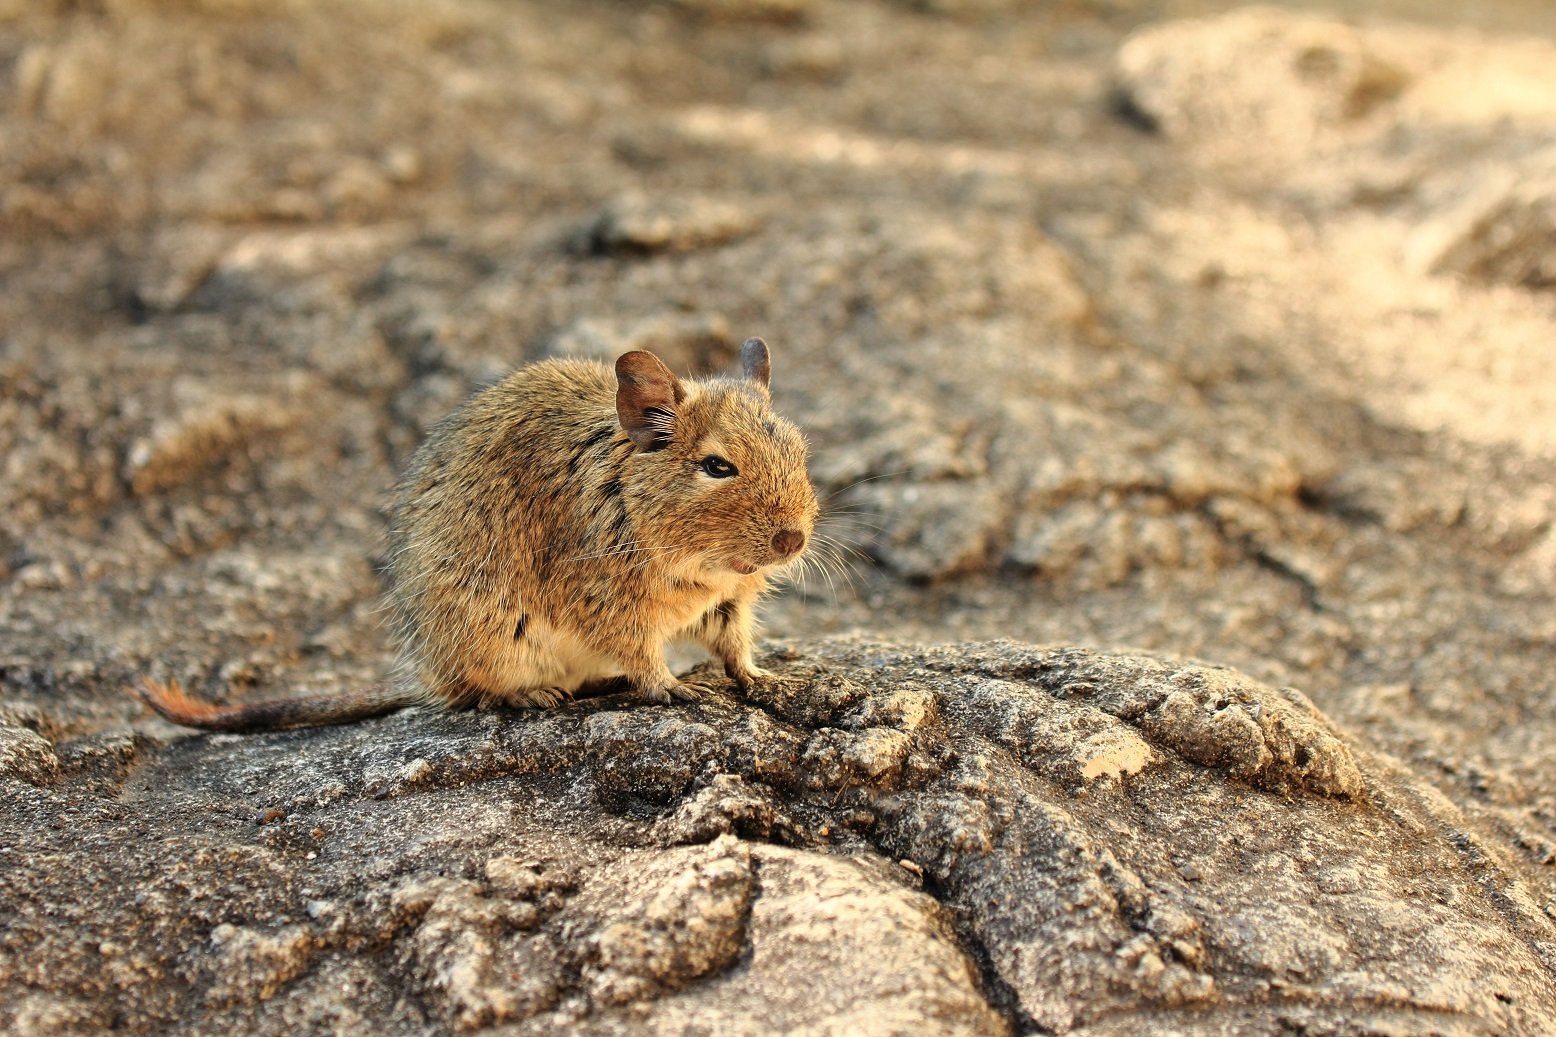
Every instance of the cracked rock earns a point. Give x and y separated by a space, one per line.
1102 837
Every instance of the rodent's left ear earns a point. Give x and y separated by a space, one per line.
646 395
756 361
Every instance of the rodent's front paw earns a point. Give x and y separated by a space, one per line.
546 698
686 692
677 690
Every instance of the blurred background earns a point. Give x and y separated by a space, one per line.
1215 331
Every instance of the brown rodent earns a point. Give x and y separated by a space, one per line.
561 527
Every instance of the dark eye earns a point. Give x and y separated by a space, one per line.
717 467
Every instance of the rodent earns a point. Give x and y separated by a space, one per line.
560 528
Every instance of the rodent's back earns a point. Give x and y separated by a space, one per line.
507 435
494 503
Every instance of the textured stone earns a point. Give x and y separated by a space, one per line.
1504 230
1115 835
1255 74
685 341
637 224
27 755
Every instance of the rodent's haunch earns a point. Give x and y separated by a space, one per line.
561 527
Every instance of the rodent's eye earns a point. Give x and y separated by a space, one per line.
717 467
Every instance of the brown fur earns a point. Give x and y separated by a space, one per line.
559 528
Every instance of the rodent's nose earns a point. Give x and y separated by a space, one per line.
787 542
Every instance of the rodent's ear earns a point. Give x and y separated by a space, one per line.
646 395
756 361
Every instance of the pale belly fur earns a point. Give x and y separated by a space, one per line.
548 657
542 658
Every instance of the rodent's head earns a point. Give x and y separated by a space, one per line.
716 473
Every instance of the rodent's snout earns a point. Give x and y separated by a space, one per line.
788 542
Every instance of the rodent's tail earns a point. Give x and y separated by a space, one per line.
173 703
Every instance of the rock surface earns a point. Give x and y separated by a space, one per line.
982 839
1196 331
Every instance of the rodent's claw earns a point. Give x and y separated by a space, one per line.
685 692
678 691
545 698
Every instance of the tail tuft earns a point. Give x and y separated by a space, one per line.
172 702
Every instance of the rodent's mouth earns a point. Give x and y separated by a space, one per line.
741 566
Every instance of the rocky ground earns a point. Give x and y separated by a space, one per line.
1162 328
